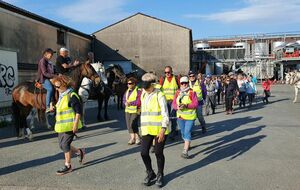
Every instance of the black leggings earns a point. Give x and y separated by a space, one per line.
159 152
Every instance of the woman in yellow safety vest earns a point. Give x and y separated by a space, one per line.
68 112
186 103
132 104
154 122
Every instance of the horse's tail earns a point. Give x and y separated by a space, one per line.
16 117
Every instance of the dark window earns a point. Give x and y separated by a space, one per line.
60 37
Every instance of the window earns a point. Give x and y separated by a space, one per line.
61 37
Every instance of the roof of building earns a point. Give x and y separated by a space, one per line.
145 16
31 15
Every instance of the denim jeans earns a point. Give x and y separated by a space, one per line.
48 86
200 116
172 115
186 127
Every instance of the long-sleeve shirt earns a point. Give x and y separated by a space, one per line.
137 102
163 107
211 87
267 84
45 70
192 105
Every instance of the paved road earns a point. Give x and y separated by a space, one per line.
254 149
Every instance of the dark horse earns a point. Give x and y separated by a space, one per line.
25 96
118 82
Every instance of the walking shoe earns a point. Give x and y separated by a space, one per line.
184 154
64 170
150 177
138 141
81 155
131 142
159 180
203 130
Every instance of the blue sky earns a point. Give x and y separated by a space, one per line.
206 18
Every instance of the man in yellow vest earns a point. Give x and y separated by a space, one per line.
169 85
196 86
154 126
68 111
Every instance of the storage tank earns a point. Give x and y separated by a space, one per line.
240 44
209 70
219 68
201 45
260 49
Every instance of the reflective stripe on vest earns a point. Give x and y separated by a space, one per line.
65 115
131 98
169 88
151 118
186 114
197 88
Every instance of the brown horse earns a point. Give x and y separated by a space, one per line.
26 96
118 79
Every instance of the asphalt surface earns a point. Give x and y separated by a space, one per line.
254 149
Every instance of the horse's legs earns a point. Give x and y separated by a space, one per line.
105 107
296 94
100 102
23 118
16 118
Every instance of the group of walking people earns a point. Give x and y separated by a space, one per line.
157 107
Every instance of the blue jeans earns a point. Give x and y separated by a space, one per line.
186 128
172 113
200 116
48 86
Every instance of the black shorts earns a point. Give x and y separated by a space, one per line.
65 140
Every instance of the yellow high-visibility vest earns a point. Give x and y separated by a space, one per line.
169 88
197 88
151 118
65 115
131 98
186 113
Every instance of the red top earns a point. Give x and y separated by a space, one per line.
161 80
267 84
192 105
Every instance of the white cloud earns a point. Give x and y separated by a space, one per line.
258 11
93 11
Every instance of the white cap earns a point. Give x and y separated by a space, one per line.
63 49
184 79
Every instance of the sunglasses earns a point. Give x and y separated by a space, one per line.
167 72
56 86
184 83
192 76
130 83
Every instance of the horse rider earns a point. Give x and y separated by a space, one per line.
196 86
169 85
63 61
186 103
45 73
154 122
68 113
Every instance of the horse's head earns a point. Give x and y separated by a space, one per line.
89 72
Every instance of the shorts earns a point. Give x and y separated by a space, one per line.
65 140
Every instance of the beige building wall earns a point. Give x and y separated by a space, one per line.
151 44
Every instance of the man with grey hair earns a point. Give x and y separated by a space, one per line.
63 61
154 126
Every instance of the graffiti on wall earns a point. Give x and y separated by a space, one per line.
7 78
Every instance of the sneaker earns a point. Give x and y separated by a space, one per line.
203 130
131 142
64 170
138 141
149 177
159 180
81 155
184 154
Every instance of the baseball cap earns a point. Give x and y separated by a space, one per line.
184 79
191 73
208 76
49 50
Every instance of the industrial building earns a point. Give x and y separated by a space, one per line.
263 55
145 43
